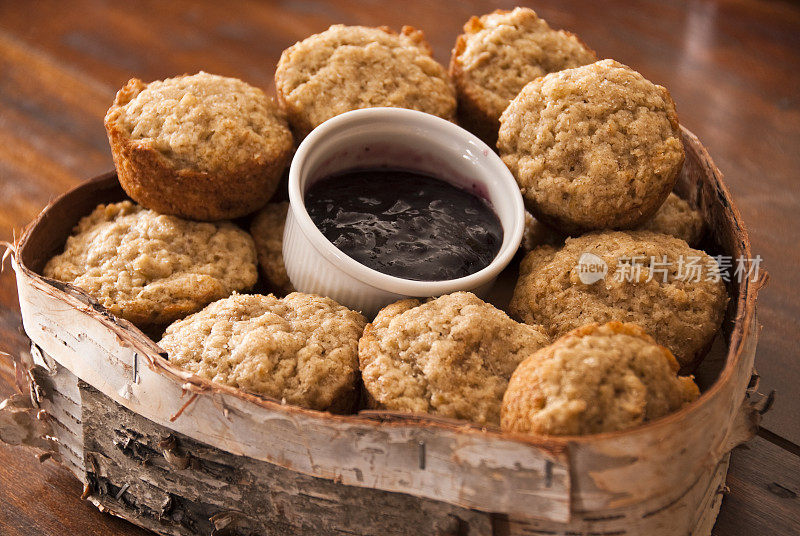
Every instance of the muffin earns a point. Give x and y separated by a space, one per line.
653 280
202 147
351 67
267 231
595 147
451 356
597 378
301 349
675 218
497 55
538 234
152 269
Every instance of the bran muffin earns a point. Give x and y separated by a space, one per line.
675 218
267 231
597 378
351 67
595 147
301 349
497 55
202 147
152 269
682 313
451 356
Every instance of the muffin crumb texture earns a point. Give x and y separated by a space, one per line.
656 281
352 67
595 147
153 269
677 218
267 231
301 349
451 356
598 378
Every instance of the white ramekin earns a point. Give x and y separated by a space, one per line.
395 138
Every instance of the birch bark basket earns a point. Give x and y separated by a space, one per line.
174 453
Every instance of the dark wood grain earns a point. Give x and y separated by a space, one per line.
762 472
43 499
732 66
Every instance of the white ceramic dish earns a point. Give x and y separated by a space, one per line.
396 138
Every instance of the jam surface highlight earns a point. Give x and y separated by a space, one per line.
405 223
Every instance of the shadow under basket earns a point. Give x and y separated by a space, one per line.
179 455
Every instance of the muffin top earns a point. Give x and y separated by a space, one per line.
350 67
653 280
594 147
267 231
597 378
498 54
451 356
153 269
202 122
676 218
301 349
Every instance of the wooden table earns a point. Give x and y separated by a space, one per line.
733 68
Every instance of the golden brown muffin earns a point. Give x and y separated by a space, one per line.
267 231
675 218
451 356
497 55
202 147
597 378
351 67
596 147
152 269
558 289
301 349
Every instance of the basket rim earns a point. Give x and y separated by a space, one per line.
745 310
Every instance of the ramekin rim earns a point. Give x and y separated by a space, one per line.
375 278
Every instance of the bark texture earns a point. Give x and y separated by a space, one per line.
172 484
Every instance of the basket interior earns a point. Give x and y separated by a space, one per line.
699 183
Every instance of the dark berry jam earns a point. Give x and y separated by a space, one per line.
405 223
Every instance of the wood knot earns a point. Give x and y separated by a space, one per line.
169 442
231 522
781 491
173 454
